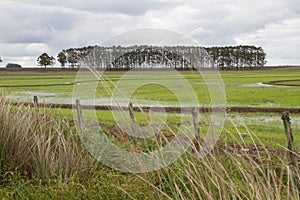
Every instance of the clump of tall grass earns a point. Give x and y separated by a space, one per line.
38 145
231 171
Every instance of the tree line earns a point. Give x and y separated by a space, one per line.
117 57
237 56
150 57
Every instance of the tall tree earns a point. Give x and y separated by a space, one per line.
62 58
45 60
73 58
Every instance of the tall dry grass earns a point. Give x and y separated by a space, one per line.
39 145
42 146
231 171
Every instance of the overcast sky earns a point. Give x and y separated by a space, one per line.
31 27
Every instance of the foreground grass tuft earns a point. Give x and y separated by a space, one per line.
38 145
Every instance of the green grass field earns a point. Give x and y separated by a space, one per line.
42 156
243 88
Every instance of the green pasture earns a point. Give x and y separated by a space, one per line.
42 157
259 128
243 88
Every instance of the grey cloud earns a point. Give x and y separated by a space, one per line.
25 50
130 7
26 36
293 5
280 40
31 24
60 24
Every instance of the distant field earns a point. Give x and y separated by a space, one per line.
243 88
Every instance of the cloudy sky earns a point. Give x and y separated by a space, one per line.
31 27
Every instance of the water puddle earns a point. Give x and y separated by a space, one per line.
65 98
266 120
261 84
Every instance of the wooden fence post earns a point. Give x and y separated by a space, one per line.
79 114
1 98
290 139
195 114
36 103
290 145
130 109
35 100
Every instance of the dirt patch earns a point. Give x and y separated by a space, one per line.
253 152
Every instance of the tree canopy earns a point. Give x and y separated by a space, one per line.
45 60
237 56
183 57
13 66
73 56
62 58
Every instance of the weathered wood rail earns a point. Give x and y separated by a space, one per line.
168 109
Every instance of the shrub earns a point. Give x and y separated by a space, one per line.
13 65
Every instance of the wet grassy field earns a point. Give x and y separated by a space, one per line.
243 88
42 156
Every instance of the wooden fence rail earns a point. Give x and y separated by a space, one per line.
168 109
